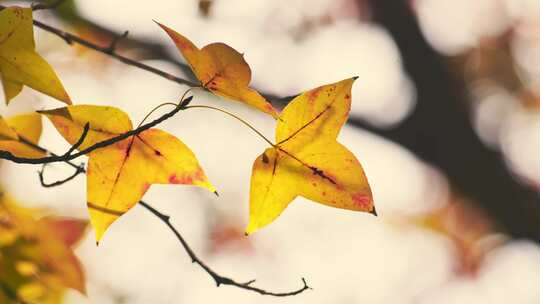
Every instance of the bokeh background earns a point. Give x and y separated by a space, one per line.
445 121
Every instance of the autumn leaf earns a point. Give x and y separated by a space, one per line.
18 133
119 175
36 258
221 70
19 63
307 160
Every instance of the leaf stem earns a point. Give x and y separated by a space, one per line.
235 117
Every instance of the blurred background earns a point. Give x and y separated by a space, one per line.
445 120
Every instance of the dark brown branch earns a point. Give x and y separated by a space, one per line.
43 6
440 132
71 38
112 47
79 141
102 144
78 170
220 280
154 51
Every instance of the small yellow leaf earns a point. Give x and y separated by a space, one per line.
18 133
307 159
19 63
221 70
120 174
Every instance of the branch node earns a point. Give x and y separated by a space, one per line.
114 42
78 170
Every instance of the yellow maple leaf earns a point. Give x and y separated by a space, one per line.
18 133
119 175
307 160
19 63
221 70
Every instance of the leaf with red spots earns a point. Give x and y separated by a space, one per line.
221 70
19 63
307 160
20 133
120 174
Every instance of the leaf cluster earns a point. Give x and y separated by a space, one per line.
123 162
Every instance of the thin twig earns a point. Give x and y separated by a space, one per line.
79 170
71 38
43 6
102 144
220 280
112 47
80 141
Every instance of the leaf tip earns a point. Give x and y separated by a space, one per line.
251 228
374 211
64 97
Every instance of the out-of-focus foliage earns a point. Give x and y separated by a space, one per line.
37 263
469 229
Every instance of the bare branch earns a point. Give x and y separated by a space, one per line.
71 38
79 141
112 47
78 170
220 280
44 6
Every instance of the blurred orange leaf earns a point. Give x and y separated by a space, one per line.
36 263
468 228
221 70
120 174
307 160
19 63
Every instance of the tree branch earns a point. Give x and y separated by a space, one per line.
102 144
78 170
108 50
44 6
219 279
440 132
